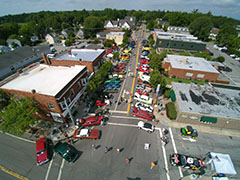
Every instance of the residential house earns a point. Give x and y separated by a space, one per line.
128 22
116 36
101 35
92 58
188 67
34 38
65 33
4 49
161 22
20 58
80 34
13 42
213 33
56 89
52 38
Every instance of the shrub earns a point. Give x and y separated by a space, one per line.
167 93
220 59
171 110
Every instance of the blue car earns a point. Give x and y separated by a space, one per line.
111 84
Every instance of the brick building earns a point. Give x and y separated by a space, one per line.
188 67
56 89
92 58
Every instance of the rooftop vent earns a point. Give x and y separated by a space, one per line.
33 91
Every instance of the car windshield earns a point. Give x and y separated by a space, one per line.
41 152
182 160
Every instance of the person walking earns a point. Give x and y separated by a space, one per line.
118 150
153 164
127 161
105 149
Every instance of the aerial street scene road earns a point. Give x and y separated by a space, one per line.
118 94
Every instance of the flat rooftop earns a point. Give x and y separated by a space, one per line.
208 100
177 37
44 79
190 63
80 54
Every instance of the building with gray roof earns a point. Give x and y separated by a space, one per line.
195 103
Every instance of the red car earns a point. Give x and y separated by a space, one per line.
41 151
144 69
142 93
108 51
87 134
91 121
144 61
142 114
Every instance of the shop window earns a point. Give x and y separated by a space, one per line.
72 92
50 105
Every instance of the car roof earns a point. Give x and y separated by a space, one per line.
40 144
148 125
83 132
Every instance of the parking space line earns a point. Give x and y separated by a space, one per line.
127 117
164 156
134 78
175 150
60 170
49 167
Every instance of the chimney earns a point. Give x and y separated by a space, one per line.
69 52
80 59
33 91
45 59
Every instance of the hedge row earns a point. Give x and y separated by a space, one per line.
171 110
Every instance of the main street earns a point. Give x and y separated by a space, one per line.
17 156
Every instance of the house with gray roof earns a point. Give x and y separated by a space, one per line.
13 61
128 22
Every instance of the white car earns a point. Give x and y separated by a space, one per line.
237 58
232 55
143 98
144 107
144 77
146 126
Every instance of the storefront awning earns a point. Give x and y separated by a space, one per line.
173 96
208 119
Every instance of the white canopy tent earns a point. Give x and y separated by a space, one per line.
222 163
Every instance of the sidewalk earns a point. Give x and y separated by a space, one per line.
165 121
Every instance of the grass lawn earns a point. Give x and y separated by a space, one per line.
169 80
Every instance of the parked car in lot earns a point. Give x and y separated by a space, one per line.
41 151
143 98
144 107
91 121
87 133
144 61
186 161
142 93
112 84
144 69
146 83
146 126
66 151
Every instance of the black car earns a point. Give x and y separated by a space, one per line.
186 161
66 151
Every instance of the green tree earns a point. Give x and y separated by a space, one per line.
226 35
156 78
108 43
201 27
116 55
220 59
151 40
92 25
18 116
4 100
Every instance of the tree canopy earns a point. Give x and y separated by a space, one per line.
18 116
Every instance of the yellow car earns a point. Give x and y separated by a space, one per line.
146 48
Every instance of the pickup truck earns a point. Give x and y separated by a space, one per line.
143 98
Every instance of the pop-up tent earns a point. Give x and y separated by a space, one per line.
221 164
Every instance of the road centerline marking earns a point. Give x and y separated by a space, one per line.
134 78
13 173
